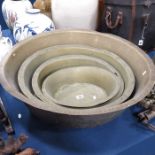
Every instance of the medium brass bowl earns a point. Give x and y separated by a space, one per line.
140 63
56 63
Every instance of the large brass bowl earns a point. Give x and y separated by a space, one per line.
140 63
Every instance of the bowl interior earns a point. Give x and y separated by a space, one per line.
82 86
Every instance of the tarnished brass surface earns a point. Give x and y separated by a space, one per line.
141 65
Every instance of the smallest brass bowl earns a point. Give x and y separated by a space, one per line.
80 86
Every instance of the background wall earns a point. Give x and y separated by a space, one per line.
2 22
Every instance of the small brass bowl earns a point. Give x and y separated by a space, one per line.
80 86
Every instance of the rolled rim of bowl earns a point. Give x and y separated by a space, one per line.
115 108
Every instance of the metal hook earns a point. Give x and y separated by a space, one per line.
108 18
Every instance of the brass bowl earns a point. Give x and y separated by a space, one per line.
56 63
29 66
140 63
80 86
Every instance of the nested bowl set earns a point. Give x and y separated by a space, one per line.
77 78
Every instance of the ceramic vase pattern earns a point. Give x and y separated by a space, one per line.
12 9
81 14
32 23
5 45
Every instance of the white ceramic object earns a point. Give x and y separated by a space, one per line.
80 14
5 45
31 23
12 9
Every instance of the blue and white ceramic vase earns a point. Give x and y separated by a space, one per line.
12 9
32 23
